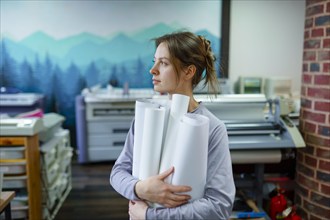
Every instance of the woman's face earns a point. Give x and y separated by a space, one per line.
163 71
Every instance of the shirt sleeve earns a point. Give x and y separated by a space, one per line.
121 178
217 202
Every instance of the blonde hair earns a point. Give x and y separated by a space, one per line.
187 48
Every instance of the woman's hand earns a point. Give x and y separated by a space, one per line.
155 189
137 210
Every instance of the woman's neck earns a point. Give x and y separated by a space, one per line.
193 104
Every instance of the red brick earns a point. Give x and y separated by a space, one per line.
309 3
307 79
312 44
309 127
318 32
325 189
309 149
317 140
321 93
324 130
317 210
306 34
323 176
307 182
324 55
322 106
306 103
306 171
309 55
326 67
310 161
328 31
309 23
326 43
312 116
315 9
320 199
322 79
323 153
324 165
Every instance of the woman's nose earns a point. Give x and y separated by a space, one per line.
153 70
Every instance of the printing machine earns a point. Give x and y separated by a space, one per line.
255 124
103 120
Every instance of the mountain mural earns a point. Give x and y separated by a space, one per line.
61 68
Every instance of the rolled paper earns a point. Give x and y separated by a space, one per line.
151 142
190 156
179 106
140 106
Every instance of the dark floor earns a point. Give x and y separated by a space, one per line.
92 197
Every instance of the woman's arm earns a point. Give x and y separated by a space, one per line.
121 178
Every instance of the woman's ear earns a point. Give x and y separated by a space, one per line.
190 72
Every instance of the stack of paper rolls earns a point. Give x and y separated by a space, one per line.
169 136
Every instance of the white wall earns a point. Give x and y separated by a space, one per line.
266 39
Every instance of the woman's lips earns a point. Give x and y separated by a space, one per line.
155 82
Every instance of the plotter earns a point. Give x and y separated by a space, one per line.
259 130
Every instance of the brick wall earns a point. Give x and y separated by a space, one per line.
313 162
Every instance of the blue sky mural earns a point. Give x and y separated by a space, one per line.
59 47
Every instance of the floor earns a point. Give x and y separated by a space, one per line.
91 196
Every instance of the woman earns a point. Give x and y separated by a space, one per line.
179 62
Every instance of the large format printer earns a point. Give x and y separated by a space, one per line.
102 122
258 129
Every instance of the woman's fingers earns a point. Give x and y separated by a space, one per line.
179 189
166 173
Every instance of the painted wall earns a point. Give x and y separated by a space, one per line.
84 43
266 39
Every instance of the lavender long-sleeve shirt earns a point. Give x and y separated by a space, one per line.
218 198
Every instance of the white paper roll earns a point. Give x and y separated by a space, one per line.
152 142
190 156
179 106
140 106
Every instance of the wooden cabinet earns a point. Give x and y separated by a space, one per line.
39 173
30 156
